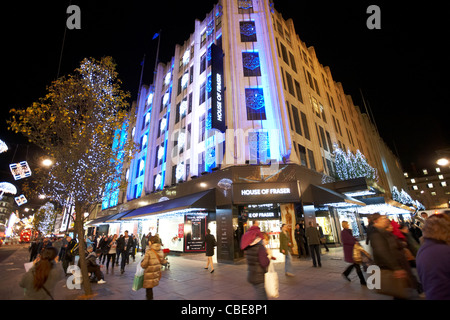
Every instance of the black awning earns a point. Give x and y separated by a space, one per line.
202 200
100 220
324 196
117 216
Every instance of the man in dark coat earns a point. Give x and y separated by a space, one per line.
124 245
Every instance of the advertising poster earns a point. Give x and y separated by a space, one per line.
288 218
194 232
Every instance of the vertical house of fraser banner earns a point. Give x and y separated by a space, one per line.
217 98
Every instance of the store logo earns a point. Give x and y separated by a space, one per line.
257 192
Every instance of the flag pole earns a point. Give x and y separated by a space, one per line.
157 54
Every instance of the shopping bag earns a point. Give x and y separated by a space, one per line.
138 282
139 269
392 286
271 282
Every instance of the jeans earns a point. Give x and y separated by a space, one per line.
288 262
124 260
108 259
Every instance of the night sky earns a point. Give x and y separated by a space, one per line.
401 69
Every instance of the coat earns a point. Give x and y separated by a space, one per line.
433 261
56 274
151 264
210 243
312 234
284 243
348 242
257 261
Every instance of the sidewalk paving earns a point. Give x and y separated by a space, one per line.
186 279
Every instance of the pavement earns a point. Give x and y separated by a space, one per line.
186 279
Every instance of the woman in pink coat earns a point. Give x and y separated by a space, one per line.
348 241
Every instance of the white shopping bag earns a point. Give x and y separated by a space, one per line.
139 270
271 282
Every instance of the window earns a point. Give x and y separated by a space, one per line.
280 28
202 130
299 91
203 39
293 66
202 93
259 147
245 6
254 101
298 129
322 136
190 103
203 63
312 163
317 86
250 61
290 84
285 55
248 31
305 126
310 80
443 184
302 154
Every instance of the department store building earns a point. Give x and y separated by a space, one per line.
239 126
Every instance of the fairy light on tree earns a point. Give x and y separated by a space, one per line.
351 166
76 123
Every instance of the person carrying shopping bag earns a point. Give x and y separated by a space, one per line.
151 263
349 243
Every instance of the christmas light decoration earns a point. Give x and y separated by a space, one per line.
351 166
20 170
6 187
20 200
3 147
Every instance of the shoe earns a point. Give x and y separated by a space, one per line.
346 278
206 268
101 281
122 271
288 274
212 271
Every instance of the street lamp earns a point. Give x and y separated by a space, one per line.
47 162
443 162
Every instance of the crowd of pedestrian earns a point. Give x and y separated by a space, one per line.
419 253
419 256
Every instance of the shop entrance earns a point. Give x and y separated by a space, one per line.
268 217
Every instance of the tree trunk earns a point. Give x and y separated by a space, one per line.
82 248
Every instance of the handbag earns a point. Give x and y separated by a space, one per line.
392 286
271 282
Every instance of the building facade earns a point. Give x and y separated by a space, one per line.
431 187
238 126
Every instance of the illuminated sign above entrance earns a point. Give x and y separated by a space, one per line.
252 192
247 193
